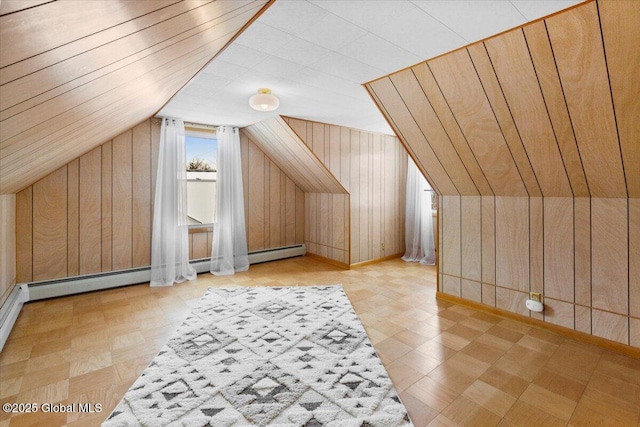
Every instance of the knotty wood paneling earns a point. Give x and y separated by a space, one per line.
102 203
7 245
77 76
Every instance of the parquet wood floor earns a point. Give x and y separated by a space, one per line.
452 365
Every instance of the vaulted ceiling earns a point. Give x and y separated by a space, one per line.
549 109
74 74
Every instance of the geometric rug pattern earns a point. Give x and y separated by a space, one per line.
265 356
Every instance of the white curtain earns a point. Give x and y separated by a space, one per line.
418 221
170 238
229 248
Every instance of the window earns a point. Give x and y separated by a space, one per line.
201 155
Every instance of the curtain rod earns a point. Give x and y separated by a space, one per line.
200 126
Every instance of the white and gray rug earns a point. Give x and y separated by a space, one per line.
286 357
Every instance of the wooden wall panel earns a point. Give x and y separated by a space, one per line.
289 152
512 243
488 252
457 78
406 128
90 226
73 218
559 313
559 248
122 207
256 206
7 245
471 238
621 34
50 226
372 168
634 256
434 134
129 61
611 326
24 235
546 109
496 97
529 111
610 257
582 246
102 203
141 188
451 226
536 246
454 133
585 80
106 205
539 46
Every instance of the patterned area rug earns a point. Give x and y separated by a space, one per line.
286 357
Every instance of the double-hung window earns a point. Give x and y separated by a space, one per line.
201 157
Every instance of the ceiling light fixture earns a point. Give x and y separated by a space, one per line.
264 100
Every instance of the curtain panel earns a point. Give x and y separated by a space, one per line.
170 234
229 246
420 245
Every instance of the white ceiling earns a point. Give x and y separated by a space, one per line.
315 55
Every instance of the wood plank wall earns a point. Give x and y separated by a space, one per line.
531 140
580 253
547 109
95 213
372 167
7 245
73 77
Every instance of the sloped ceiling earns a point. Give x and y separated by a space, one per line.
74 74
547 109
285 148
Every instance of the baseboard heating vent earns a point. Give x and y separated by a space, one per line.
10 310
99 281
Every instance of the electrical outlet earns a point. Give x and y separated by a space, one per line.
536 296
382 246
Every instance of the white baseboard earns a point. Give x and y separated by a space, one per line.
114 279
10 310
94 282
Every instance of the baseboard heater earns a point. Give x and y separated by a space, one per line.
94 282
